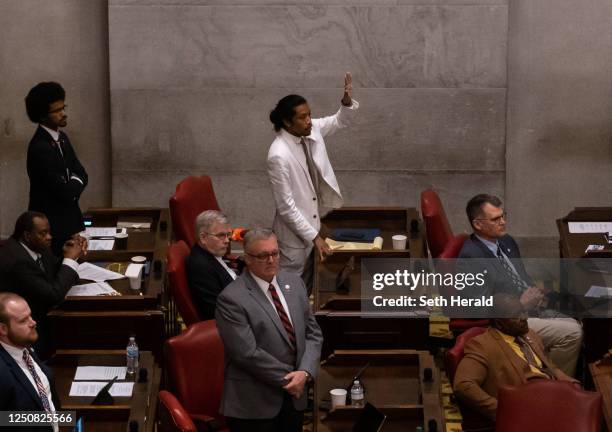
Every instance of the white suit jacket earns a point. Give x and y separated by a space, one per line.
297 220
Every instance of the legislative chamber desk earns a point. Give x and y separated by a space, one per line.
580 271
106 322
403 384
343 323
116 417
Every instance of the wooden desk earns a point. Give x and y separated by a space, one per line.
94 322
343 322
601 371
101 418
394 383
579 272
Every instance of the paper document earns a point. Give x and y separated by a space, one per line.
599 291
589 227
339 245
100 373
91 388
135 225
92 289
101 231
95 273
100 245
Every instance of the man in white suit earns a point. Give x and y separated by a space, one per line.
302 178
272 342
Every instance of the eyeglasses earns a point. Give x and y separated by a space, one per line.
221 236
263 257
496 220
58 109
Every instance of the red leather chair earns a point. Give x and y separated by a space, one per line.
195 364
179 287
171 416
548 406
444 245
472 420
193 195
437 227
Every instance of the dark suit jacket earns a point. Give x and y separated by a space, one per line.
17 392
207 278
490 363
497 279
20 274
51 191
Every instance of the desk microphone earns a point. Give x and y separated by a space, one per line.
414 228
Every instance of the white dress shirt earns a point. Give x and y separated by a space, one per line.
265 288
231 272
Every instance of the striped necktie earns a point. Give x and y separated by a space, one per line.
530 357
517 281
42 394
282 315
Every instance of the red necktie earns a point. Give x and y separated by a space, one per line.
283 315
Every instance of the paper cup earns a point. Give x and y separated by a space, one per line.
399 242
338 397
121 240
135 282
139 259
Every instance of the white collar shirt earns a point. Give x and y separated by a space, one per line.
264 286
231 272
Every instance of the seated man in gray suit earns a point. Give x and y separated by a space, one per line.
499 255
272 342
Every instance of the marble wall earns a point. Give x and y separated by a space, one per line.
559 141
64 41
192 83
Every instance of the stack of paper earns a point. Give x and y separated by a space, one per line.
95 273
97 377
339 245
93 289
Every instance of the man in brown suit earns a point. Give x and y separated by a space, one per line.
508 353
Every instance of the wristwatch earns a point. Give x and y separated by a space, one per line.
308 376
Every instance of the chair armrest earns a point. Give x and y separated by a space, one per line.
172 416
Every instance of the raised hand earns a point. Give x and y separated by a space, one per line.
347 99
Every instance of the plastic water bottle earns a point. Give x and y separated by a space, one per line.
357 397
131 353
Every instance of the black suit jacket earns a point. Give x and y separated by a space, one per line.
497 279
51 190
20 274
17 392
207 278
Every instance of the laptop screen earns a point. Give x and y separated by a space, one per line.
371 419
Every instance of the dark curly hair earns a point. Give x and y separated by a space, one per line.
285 110
40 97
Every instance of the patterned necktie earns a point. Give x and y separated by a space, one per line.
42 394
312 168
282 315
530 357
518 283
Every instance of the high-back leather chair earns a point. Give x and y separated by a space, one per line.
179 286
548 406
472 420
437 227
193 195
443 244
195 365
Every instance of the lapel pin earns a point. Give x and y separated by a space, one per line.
287 287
